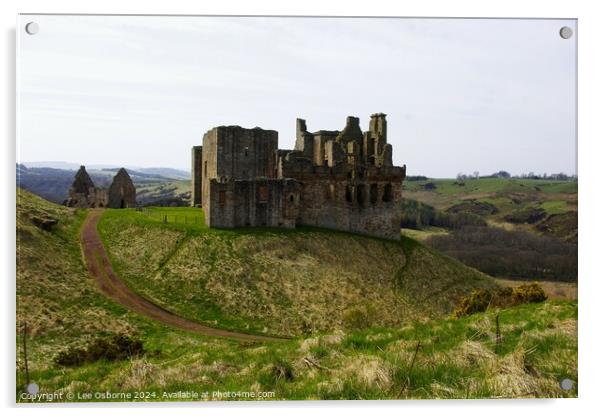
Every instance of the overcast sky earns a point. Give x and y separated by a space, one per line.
460 95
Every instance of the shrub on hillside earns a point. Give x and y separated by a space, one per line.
282 370
279 372
526 216
480 300
359 317
116 347
477 301
472 206
528 293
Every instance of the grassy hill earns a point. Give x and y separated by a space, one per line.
284 282
502 201
532 224
457 358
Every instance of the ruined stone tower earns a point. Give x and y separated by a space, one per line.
343 180
239 183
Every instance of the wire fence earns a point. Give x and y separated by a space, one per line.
173 218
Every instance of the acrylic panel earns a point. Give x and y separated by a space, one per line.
295 208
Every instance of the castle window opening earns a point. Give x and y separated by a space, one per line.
373 193
388 193
263 193
361 194
349 193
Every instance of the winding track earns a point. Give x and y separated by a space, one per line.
99 267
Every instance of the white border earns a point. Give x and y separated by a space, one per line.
590 68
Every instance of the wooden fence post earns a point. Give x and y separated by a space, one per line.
25 353
498 334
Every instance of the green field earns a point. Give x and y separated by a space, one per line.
163 190
508 196
450 191
423 234
495 185
457 358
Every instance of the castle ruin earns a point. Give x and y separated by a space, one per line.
342 180
84 194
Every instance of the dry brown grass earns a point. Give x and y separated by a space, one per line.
554 290
55 295
368 371
285 283
293 283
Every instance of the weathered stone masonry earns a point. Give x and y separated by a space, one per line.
197 160
343 180
84 194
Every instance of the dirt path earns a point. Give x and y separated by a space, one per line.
100 269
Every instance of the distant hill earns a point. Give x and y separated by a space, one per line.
167 173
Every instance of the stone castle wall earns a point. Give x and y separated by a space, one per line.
343 180
371 206
234 153
253 203
196 197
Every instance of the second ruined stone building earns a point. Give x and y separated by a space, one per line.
84 194
343 180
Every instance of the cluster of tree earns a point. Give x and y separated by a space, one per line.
416 178
417 215
551 177
506 175
460 177
504 253
501 174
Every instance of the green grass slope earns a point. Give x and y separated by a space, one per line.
457 358
284 282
